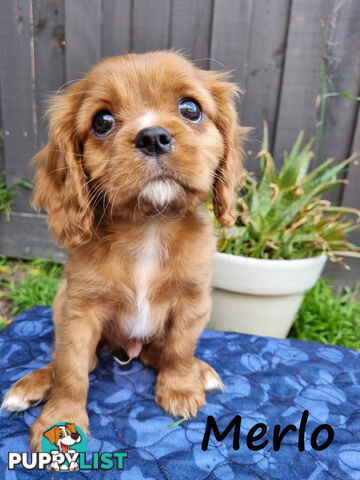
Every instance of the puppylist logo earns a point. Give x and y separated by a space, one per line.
63 448
64 442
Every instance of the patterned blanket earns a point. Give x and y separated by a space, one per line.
268 382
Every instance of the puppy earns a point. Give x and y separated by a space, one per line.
134 150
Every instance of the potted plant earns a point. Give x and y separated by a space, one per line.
277 250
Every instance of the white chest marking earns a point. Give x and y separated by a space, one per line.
140 325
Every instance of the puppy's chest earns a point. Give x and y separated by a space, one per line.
149 259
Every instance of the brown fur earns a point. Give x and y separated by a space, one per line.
92 190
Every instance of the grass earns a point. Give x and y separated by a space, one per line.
325 316
26 284
8 192
3 323
37 288
329 317
7 195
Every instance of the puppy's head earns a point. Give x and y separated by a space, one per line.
148 134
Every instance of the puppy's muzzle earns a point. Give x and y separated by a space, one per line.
153 141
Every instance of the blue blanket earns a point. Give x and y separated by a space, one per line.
268 381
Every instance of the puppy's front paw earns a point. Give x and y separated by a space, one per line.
182 393
55 412
209 377
178 401
29 390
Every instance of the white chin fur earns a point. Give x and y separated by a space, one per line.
160 192
13 403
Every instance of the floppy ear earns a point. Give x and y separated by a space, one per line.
60 181
71 427
51 434
230 167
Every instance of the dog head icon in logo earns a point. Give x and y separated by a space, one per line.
62 441
63 437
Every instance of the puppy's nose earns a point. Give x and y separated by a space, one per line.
153 141
75 436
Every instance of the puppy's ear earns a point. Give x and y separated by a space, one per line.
60 181
230 167
71 427
51 434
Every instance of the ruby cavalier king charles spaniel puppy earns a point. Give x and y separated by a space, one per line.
134 150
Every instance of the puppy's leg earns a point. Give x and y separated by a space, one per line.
75 343
151 354
183 379
29 390
34 387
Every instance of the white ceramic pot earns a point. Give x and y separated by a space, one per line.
259 296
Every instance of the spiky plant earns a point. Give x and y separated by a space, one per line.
282 215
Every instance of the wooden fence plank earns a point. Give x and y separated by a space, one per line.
116 27
248 36
351 194
302 73
230 45
340 275
230 37
265 64
2 156
343 69
49 46
190 32
18 105
82 36
26 236
150 27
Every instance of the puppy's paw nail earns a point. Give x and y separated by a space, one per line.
14 403
213 383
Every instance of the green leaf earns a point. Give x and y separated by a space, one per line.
295 166
342 95
177 423
291 209
264 191
317 171
25 183
265 139
332 173
335 209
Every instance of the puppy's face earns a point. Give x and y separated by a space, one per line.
148 133
140 133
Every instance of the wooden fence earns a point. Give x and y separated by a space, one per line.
276 49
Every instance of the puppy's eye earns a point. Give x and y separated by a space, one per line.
103 123
190 110
61 435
